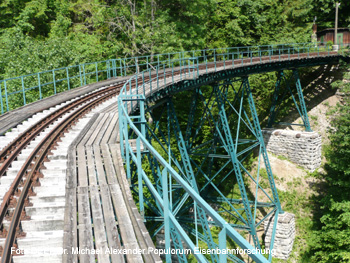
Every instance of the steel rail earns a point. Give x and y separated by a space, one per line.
12 150
43 149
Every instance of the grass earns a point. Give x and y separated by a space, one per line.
313 117
282 157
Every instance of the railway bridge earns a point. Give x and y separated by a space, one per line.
154 155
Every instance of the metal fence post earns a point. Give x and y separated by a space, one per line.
84 74
2 106
6 96
157 77
39 84
121 68
97 71
81 79
54 81
150 81
166 213
67 73
143 83
23 91
139 175
222 245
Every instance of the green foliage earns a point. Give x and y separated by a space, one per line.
330 241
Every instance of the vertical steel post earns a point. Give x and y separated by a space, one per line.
54 81
143 83
262 143
6 96
114 68
96 71
150 82
67 73
84 75
127 149
120 67
139 176
23 91
121 127
2 106
166 213
302 101
81 79
222 245
39 83
276 93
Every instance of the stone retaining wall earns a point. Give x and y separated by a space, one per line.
302 148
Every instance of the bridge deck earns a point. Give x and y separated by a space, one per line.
104 203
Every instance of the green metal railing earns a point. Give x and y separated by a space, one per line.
19 91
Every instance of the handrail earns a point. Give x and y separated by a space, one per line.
168 73
19 91
226 228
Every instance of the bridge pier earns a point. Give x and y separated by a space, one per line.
300 147
284 236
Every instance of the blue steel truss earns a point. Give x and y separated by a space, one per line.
280 94
176 177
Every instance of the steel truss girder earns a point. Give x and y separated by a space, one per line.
262 143
207 79
279 95
228 141
190 177
186 149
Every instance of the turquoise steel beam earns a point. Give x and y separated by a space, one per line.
190 177
278 100
222 245
166 212
302 101
139 173
191 115
228 140
262 143
272 116
2 106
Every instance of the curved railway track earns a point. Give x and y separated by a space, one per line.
29 173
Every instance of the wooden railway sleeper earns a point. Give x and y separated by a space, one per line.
3 233
13 148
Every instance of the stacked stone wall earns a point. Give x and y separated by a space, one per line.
284 236
302 148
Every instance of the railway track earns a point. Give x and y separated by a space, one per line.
16 198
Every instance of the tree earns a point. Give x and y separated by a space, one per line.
331 240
